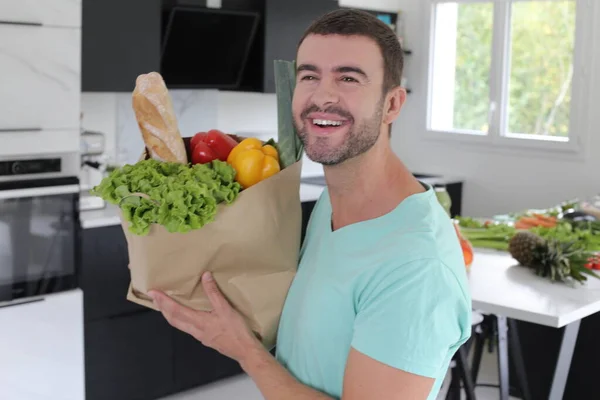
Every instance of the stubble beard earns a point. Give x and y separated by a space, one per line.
358 140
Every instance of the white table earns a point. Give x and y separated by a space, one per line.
501 287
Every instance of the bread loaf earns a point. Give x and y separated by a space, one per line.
156 118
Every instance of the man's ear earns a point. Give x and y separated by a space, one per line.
394 101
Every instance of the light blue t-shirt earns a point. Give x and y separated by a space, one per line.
394 288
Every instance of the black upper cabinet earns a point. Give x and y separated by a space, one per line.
120 40
286 21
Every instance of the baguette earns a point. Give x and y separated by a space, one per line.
156 119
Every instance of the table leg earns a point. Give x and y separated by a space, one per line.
518 362
564 361
503 356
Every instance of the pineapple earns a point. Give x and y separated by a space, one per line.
523 245
551 258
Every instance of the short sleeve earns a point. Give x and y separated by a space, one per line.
413 317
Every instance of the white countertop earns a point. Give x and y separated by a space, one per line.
500 286
109 216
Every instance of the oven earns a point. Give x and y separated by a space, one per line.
40 233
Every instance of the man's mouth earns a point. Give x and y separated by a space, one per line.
326 123
323 123
326 127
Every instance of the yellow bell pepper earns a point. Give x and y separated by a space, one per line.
253 162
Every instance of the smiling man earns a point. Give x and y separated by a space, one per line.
380 303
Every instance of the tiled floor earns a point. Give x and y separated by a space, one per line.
242 388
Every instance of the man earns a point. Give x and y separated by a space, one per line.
380 302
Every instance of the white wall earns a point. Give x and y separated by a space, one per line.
99 113
496 182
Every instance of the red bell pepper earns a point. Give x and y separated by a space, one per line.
211 145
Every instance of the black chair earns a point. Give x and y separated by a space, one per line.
461 375
501 332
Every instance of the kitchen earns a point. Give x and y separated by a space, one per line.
67 118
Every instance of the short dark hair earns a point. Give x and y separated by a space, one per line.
350 22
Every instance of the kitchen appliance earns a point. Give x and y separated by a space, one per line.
93 168
192 32
39 226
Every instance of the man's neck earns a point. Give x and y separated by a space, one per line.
368 187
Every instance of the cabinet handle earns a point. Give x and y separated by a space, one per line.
20 23
20 303
5 130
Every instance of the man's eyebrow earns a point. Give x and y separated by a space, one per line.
307 67
346 69
340 70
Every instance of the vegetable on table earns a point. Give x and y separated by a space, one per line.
466 247
253 162
527 222
593 262
211 145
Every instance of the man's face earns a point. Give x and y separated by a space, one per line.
338 100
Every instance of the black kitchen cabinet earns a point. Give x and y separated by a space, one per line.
286 22
120 40
540 347
307 209
196 364
129 357
105 273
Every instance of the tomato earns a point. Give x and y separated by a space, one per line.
593 263
221 143
202 154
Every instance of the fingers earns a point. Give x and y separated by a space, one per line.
178 316
211 289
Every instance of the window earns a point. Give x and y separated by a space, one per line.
503 69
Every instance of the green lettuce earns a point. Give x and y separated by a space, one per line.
178 196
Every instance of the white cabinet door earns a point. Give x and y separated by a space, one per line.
41 344
46 12
40 77
18 143
377 5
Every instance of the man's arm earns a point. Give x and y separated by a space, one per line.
274 381
365 378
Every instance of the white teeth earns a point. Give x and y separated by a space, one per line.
325 122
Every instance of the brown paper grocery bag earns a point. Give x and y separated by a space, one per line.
251 248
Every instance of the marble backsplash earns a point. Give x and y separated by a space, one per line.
248 114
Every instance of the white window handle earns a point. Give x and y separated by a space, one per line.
491 114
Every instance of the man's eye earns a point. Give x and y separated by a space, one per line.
308 78
348 79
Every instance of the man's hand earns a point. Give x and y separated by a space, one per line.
222 329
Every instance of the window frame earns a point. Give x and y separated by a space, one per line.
581 94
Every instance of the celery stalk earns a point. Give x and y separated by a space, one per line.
289 144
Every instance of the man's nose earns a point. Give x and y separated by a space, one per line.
325 94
